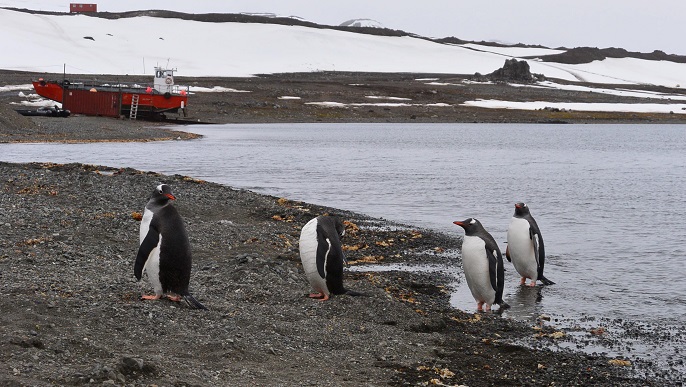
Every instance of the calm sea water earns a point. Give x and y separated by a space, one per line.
610 199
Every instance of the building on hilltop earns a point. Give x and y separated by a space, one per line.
82 7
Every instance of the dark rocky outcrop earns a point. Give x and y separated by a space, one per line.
589 54
512 71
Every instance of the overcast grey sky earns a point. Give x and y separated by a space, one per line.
636 25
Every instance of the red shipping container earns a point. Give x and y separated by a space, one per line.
92 103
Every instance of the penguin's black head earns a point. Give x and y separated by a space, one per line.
163 192
340 227
521 209
470 225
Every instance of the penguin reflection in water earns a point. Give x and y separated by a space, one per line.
482 263
165 252
321 253
525 247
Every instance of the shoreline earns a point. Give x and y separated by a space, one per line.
82 320
72 314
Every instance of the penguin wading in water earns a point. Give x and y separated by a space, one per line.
165 252
482 263
321 253
525 247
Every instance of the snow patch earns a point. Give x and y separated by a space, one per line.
579 106
16 87
389 98
380 104
216 89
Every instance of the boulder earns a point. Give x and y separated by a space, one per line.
514 71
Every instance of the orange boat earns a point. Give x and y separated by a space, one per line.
118 100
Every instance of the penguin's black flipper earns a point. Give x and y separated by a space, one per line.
149 243
323 249
539 251
192 302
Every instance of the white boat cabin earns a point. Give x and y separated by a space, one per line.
164 81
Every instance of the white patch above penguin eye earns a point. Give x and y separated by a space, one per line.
159 188
473 221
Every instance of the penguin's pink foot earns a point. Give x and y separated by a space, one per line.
151 297
488 308
174 298
319 296
533 283
480 306
522 281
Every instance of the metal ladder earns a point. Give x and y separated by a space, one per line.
133 113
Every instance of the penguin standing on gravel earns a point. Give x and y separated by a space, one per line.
525 247
165 252
482 263
321 253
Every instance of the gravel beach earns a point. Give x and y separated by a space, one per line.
72 313
71 306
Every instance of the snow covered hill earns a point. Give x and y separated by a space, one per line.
85 44
362 23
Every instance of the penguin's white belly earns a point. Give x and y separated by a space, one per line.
152 268
521 248
145 224
152 264
308 256
475 266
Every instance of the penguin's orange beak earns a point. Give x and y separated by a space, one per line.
458 223
170 196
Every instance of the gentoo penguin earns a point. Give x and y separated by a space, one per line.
321 253
165 252
525 247
482 263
